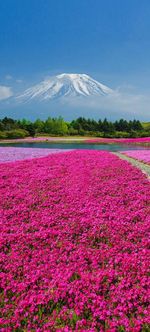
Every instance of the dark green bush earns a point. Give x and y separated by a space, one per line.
2 135
72 132
17 133
120 134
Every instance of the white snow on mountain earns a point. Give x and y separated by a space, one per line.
65 85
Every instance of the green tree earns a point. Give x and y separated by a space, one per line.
31 129
39 125
59 126
9 124
48 126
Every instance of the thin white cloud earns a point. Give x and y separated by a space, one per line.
19 81
8 77
5 92
120 103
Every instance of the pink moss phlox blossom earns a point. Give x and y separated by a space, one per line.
139 141
19 153
141 155
74 244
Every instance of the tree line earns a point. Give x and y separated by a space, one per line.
10 128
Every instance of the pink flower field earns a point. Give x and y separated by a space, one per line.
13 153
139 141
141 155
74 244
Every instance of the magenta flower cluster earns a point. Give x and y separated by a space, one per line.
74 244
141 155
13 153
140 141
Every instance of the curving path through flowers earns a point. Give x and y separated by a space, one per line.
139 163
74 244
141 155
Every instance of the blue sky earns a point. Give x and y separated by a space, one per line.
109 40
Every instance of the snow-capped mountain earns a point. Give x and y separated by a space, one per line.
65 85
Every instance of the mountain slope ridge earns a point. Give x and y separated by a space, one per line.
65 85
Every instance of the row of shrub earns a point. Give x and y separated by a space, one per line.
16 133
10 128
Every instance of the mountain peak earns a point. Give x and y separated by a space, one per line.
66 85
72 76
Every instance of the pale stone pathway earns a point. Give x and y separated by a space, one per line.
143 167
